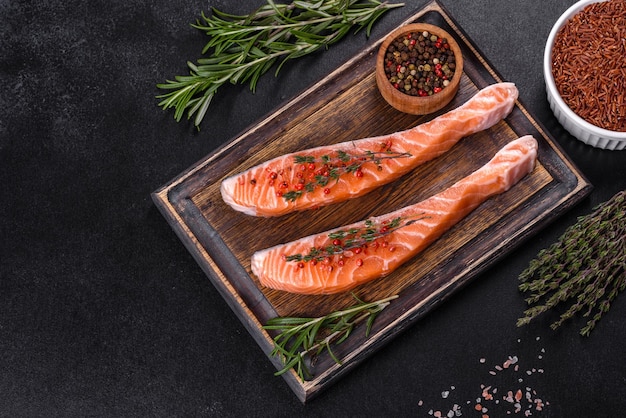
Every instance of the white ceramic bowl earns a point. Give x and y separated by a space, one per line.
574 124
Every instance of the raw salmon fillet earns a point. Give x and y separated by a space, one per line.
328 174
343 258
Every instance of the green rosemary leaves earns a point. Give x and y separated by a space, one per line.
586 266
243 48
301 338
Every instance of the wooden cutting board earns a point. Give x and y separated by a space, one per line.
347 105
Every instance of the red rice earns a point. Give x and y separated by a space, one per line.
589 64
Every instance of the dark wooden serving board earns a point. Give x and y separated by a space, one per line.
347 105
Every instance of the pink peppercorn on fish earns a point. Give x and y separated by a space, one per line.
343 258
328 174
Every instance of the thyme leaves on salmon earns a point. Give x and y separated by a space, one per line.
586 265
352 239
243 48
300 339
315 172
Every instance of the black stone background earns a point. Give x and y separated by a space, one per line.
104 313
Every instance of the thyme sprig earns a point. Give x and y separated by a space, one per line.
587 265
349 239
300 339
243 48
333 167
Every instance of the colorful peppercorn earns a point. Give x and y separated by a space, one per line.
419 64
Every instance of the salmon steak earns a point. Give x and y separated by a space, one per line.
333 173
340 259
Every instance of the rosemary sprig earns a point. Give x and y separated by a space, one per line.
587 266
301 338
246 47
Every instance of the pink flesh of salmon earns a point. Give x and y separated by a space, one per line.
264 190
409 231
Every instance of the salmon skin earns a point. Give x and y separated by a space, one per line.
333 173
343 258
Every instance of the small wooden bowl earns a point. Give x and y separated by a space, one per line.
418 105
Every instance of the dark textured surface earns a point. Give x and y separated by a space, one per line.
104 313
